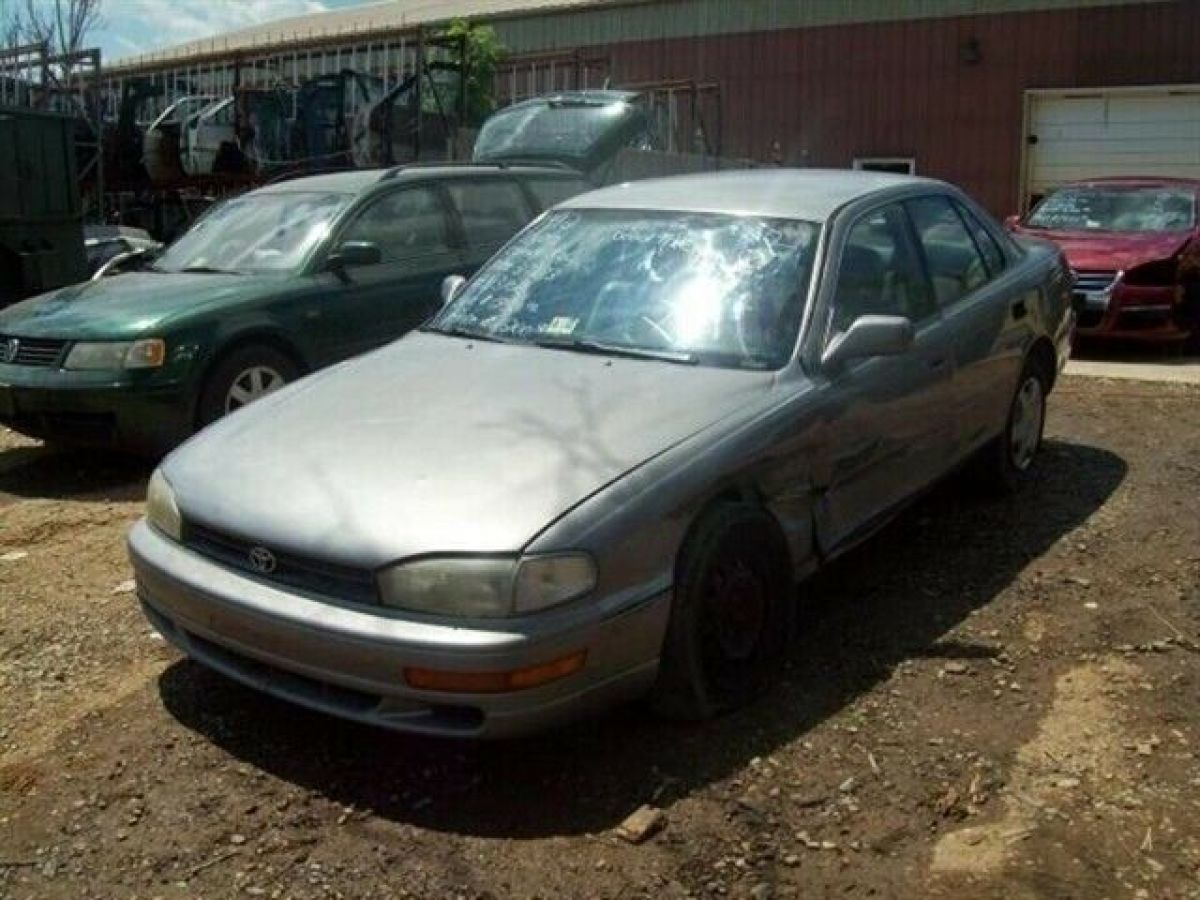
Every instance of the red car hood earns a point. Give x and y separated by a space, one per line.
1089 251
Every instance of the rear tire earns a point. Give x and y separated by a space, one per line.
247 374
731 615
1008 459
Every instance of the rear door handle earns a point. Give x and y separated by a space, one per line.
1020 310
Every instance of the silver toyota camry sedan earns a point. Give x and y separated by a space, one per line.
601 470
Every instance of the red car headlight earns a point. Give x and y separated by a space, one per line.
1159 273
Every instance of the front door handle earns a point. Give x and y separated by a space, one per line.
1020 310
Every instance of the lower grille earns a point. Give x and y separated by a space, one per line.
324 579
22 351
1094 282
304 689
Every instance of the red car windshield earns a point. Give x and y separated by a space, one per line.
1125 208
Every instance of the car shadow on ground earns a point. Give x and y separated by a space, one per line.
892 600
1174 353
37 472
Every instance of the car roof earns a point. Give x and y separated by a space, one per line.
360 180
809 194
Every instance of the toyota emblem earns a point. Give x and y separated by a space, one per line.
8 352
263 560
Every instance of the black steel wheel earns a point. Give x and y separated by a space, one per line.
731 615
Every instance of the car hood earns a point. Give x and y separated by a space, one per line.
1088 251
125 305
437 445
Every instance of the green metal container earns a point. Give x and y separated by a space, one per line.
41 222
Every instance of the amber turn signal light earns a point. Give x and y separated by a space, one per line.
494 682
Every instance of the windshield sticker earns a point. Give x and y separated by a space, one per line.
562 325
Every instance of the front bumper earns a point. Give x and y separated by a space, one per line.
1127 312
93 408
349 661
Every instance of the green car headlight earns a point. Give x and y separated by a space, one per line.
161 509
148 353
487 587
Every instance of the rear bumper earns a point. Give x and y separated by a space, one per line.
350 661
90 410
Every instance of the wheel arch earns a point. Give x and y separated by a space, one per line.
1041 351
231 344
743 493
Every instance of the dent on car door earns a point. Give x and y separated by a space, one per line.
383 301
889 429
490 211
982 309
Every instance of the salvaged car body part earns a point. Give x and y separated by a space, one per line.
162 144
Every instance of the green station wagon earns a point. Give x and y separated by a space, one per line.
266 287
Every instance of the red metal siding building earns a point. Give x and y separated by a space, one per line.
954 86
948 93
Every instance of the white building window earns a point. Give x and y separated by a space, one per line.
898 165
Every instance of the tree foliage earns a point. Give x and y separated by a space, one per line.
483 52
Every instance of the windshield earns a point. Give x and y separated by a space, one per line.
258 233
1113 208
712 289
567 129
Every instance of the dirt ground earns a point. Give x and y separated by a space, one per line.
993 699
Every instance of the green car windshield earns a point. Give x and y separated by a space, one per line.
698 288
255 234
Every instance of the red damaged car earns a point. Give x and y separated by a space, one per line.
1134 247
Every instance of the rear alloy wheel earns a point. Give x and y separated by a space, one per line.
244 376
730 617
1009 459
1028 419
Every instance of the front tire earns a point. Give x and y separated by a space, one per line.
731 615
247 374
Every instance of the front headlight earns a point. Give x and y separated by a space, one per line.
148 353
481 587
161 510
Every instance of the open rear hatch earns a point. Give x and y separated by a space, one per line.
581 129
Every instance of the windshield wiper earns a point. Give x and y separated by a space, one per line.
582 345
466 333
204 270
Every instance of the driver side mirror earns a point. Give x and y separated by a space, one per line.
352 254
452 286
869 336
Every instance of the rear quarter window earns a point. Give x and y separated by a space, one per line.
552 191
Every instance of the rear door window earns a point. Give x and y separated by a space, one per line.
491 210
955 264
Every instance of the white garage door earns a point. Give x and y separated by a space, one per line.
1121 131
